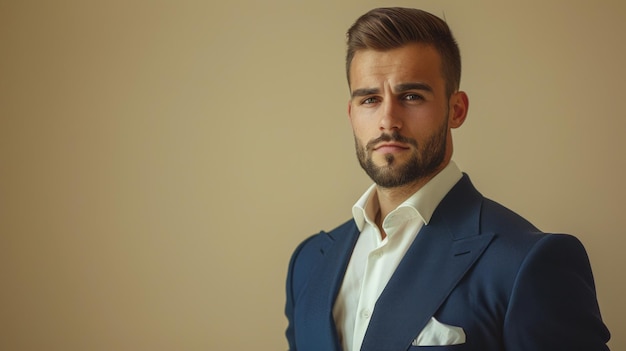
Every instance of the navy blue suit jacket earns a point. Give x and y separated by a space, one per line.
476 265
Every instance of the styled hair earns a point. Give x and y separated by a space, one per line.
384 29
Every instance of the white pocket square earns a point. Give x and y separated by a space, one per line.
436 333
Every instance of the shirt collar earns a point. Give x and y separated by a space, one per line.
424 201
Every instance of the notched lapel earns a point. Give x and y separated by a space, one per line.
424 279
316 302
442 253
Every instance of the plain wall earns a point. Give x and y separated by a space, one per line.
160 160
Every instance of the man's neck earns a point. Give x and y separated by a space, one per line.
390 198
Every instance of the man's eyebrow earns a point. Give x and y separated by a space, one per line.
413 86
398 88
364 92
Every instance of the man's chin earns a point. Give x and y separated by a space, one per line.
389 177
391 165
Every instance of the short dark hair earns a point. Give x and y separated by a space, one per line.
393 27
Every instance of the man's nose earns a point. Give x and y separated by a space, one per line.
390 116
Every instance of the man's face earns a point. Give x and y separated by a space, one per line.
400 114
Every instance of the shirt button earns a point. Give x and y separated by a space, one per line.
376 255
366 314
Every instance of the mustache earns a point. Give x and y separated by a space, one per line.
395 137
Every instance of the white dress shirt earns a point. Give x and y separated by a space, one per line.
374 259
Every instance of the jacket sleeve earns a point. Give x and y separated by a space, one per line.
289 302
294 285
553 305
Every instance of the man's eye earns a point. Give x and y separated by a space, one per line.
368 101
412 97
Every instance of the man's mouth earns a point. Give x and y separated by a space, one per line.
390 147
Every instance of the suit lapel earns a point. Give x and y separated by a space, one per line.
441 254
318 299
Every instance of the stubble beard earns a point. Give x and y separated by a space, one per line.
425 160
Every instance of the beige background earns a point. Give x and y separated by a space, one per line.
160 160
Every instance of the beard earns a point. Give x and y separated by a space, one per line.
424 161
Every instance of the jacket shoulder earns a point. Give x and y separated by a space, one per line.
310 252
311 247
498 218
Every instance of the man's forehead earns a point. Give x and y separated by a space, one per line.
411 64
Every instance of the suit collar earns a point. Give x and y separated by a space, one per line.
459 211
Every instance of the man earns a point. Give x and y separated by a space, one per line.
427 261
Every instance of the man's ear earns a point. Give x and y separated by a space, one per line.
350 110
459 105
